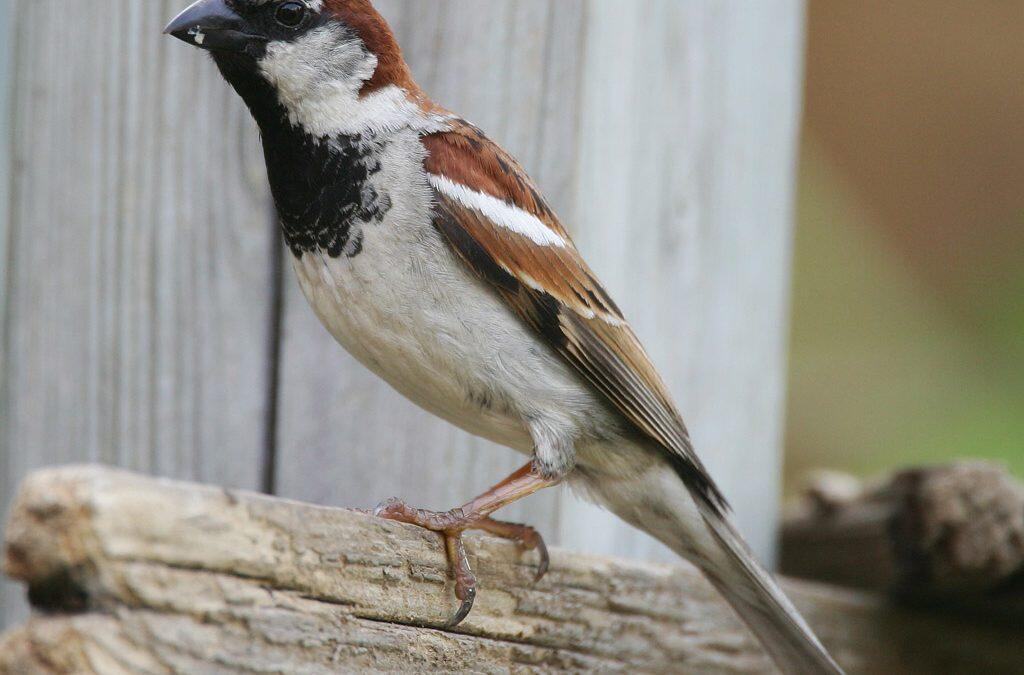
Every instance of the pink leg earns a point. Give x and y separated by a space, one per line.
476 516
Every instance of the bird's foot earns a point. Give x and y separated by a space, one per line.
451 525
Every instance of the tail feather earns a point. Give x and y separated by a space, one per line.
658 502
762 605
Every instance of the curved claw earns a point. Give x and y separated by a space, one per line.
545 559
464 610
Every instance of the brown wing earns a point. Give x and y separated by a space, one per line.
551 287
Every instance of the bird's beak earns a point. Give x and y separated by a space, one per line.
211 24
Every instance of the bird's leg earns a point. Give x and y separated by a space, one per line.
476 515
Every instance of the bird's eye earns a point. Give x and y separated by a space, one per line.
290 14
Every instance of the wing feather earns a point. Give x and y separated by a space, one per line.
554 291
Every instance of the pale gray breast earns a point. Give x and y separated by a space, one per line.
408 310
413 313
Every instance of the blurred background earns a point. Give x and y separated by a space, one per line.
908 309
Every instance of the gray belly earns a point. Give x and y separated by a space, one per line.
415 315
431 331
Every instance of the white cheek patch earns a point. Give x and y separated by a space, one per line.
316 65
499 212
319 79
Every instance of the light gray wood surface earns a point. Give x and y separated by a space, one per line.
184 578
663 132
138 286
6 101
6 52
138 276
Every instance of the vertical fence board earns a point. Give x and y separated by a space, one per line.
664 134
6 101
689 124
138 275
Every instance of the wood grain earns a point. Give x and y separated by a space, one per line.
6 101
646 125
677 146
182 578
6 136
138 275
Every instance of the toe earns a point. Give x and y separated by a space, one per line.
390 508
526 537
450 525
465 580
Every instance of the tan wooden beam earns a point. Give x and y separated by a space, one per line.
133 574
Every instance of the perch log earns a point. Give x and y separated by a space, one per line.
133 574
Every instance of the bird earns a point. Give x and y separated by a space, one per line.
429 254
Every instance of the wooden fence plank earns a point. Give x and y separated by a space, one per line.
139 268
689 121
664 134
6 101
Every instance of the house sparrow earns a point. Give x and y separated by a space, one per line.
429 254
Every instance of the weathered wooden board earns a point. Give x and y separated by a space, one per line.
6 53
138 277
664 134
183 578
5 183
5 169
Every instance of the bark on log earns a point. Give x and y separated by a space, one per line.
132 574
952 534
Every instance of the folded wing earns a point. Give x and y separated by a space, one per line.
492 215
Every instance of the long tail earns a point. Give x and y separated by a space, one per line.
704 535
762 605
